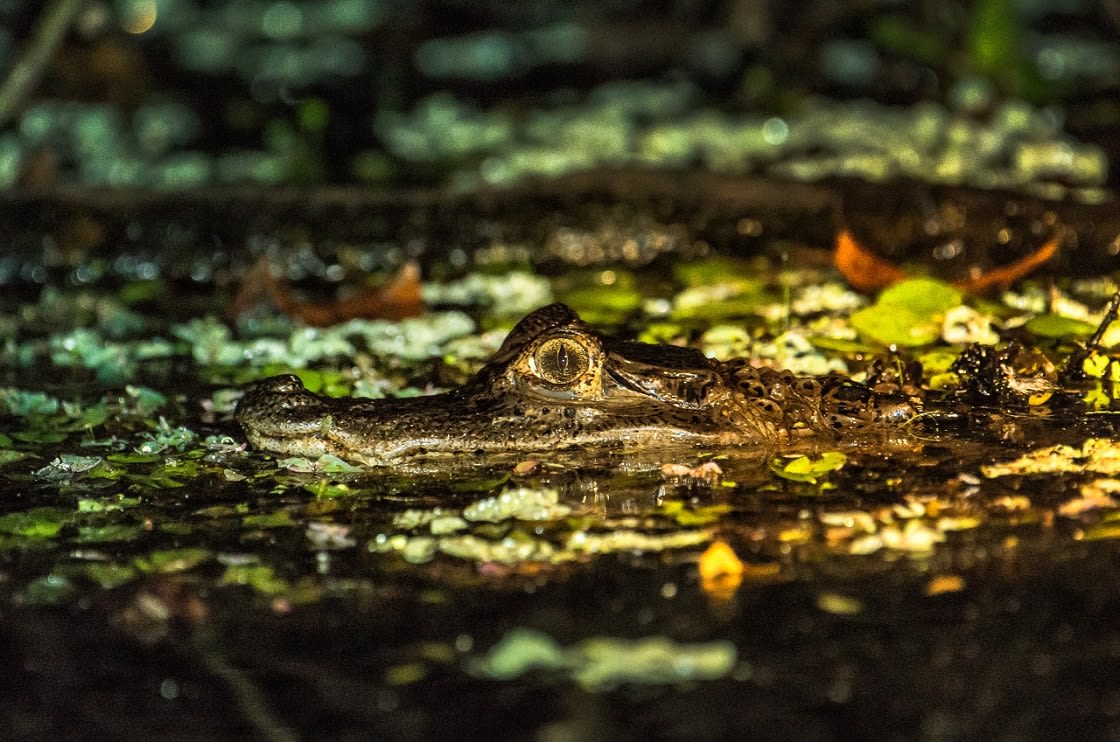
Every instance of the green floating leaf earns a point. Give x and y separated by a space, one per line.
604 304
136 292
806 469
518 652
713 270
8 456
700 515
92 417
938 361
1099 366
840 345
895 326
134 458
333 465
468 484
1058 328
39 436
662 332
279 519
327 488
907 314
734 298
22 404
43 522
146 401
173 560
1102 531
52 589
112 532
109 576
898 35
923 296
259 577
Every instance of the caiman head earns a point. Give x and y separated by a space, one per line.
554 383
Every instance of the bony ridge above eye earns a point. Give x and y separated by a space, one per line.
561 360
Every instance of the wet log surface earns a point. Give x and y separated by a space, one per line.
953 230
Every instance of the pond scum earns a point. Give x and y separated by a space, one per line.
129 472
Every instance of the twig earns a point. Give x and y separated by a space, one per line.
53 24
1074 368
1109 317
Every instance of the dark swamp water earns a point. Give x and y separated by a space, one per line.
196 195
163 581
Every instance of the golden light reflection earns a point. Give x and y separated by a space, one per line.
142 17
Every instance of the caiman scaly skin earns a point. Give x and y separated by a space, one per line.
557 383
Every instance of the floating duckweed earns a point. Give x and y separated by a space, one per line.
36 523
510 294
695 515
113 362
414 518
173 560
823 138
278 519
144 401
165 437
331 464
23 403
109 576
806 469
601 300
462 351
603 663
67 466
520 651
828 297
916 537
725 341
839 605
261 578
521 503
963 325
606 662
510 550
329 535
412 339
719 301
584 542
447 524
10 457
108 533
106 504
50 589
299 464
1099 455
793 351
419 550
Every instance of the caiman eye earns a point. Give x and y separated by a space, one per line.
561 360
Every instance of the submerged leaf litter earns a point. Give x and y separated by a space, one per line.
122 464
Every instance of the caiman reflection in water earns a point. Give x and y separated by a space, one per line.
556 383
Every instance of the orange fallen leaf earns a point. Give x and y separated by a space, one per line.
398 299
868 272
721 571
942 584
1005 275
861 268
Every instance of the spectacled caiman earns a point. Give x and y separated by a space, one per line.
556 383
